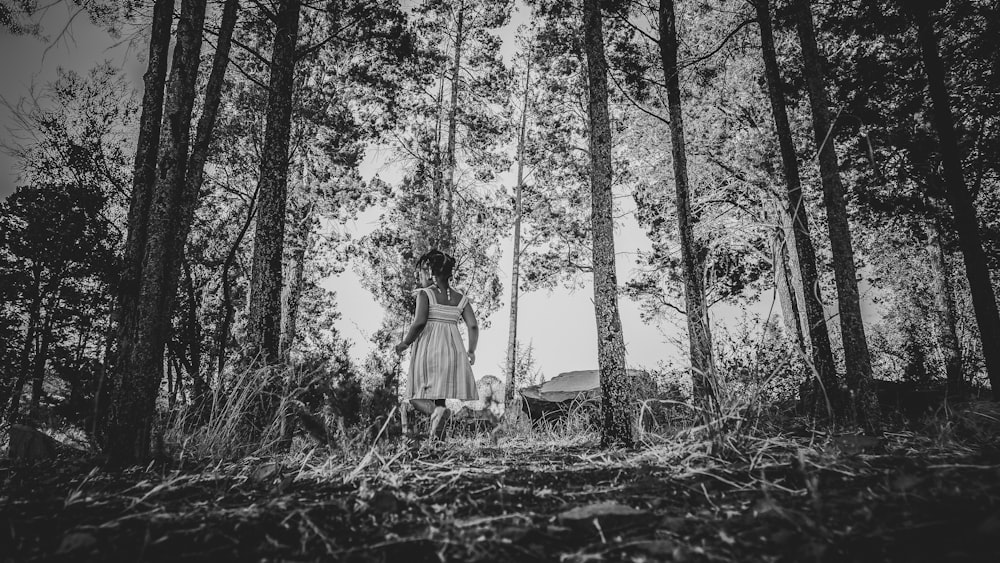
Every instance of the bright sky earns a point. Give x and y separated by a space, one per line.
560 324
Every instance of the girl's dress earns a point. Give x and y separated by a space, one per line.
439 364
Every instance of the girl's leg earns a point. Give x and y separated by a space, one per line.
425 406
438 418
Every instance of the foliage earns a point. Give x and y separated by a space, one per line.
57 264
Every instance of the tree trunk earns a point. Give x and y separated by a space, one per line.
945 302
102 394
615 387
13 398
264 323
699 336
819 337
171 397
146 324
144 170
193 335
292 295
794 272
962 204
515 271
785 286
42 357
222 336
449 185
857 358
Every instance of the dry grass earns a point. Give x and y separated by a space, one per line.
736 431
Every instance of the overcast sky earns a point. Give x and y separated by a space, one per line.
560 324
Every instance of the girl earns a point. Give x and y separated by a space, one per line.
440 368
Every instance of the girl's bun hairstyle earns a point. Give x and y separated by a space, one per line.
441 264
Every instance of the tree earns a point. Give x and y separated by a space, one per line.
515 281
55 248
856 354
944 302
159 222
822 354
960 199
615 388
265 290
700 338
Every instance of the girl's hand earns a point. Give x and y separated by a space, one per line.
400 348
472 358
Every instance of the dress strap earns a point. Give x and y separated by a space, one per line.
430 295
463 302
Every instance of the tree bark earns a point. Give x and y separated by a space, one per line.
264 323
146 323
785 286
961 201
292 295
857 357
449 195
945 304
699 335
144 170
794 272
222 336
515 271
819 337
615 387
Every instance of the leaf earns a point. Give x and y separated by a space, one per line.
264 473
597 510
726 538
609 515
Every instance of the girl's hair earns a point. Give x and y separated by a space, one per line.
441 264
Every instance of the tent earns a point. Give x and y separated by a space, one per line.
557 395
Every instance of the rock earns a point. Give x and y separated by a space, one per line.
28 444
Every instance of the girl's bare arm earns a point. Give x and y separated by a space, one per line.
473 325
419 320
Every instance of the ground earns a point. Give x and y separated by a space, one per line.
807 498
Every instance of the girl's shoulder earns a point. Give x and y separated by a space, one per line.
417 292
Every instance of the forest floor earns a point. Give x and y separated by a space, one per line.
905 497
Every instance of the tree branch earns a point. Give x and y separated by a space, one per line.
633 102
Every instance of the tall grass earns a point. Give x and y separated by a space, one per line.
230 425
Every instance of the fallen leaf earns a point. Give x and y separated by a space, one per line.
726 538
598 510
265 472
608 516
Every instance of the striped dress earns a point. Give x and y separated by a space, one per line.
439 364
